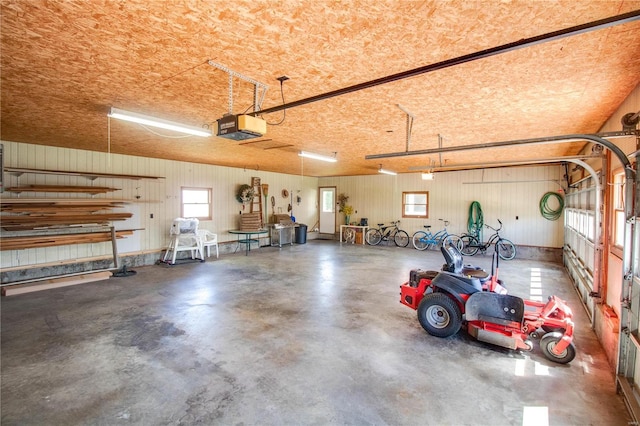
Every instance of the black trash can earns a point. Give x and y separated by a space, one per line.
301 233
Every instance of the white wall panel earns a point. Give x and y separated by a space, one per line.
502 193
160 198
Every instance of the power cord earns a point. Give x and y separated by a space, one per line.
284 111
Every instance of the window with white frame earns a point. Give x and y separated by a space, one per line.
415 204
196 202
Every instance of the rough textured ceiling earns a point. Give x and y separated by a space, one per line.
64 63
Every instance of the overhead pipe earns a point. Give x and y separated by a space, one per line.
506 144
527 42
495 164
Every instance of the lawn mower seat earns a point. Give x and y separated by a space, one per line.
453 259
456 284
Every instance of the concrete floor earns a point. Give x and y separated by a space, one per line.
305 334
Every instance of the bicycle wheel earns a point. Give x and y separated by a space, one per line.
373 237
455 240
506 249
469 245
401 238
419 240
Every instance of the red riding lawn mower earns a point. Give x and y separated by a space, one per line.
461 294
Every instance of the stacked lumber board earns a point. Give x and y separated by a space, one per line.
25 205
25 222
39 241
34 213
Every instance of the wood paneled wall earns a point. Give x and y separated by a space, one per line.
503 194
160 198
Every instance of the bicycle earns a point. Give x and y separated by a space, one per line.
386 233
425 240
471 245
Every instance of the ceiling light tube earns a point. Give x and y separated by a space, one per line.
146 120
386 172
427 176
317 156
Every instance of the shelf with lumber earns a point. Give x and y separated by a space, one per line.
19 171
40 222
34 221
32 213
62 188
52 240
12 203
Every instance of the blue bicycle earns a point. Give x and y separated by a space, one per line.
424 240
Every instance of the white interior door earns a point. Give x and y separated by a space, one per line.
327 207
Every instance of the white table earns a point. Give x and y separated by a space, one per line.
358 228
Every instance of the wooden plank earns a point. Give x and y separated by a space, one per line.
62 201
53 210
13 222
90 175
19 243
62 188
13 290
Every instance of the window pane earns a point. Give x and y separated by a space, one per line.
414 210
415 204
327 202
416 198
196 210
195 196
196 202
618 193
619 228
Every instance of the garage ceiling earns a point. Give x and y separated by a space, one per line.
64 63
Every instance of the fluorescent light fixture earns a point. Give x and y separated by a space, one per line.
317 156
427 176
146 120
386 172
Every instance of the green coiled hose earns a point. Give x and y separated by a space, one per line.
546 211
476 220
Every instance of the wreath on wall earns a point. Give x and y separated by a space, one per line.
245 194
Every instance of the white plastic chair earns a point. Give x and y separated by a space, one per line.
184 236
208 239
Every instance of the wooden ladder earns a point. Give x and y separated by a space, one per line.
256 203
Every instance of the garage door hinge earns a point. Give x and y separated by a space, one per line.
625 303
